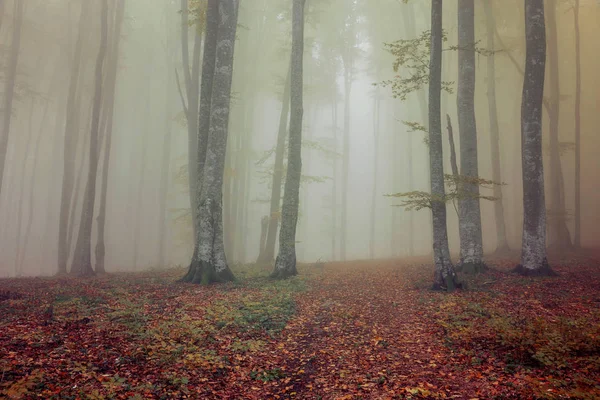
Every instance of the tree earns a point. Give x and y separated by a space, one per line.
533 256
107 130
70 144
210 264
10 83
471 245
82 260
285 264
268 252
557 212
501 239
204 115
444 276
577 238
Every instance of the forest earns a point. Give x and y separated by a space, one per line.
299 199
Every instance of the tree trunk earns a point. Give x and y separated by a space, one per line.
274 218
82 260
501 239
9 84
109 107
561 236
211 263
533 256
376 121
204 116
577 241
72 114
345 155
471 243
140 187
334 188
444 277
285 265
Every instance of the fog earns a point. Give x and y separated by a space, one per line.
148 203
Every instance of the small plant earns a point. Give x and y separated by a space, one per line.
267 375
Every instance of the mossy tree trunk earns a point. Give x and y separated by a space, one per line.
533 256
285 264
444 276
210 263
471 243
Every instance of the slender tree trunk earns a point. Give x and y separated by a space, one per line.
211 263
274 210
204 119
376 115
577 241
562 237
82 260
346 156
444 277
471 243
501 239
109 107
334 188
70 144
533 256
23 169
285 265
164 180
10 83
140 188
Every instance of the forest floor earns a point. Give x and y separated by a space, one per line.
359 330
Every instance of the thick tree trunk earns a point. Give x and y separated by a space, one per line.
10 83
269 251
285 264
70 144
471 243
501 239
211 263
204 116
577 239
444 276
109 107
561 236
82 260
533 256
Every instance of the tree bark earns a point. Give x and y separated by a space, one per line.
269 251
204 116
211 265
561 236
533 256
82 260
501 239
10 83
109 107
70 144
471 242
444 276
376 124
577 239
285 264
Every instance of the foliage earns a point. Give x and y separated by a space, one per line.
351 330
417 200
412 65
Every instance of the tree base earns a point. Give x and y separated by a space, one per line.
502 251
472 268
202 273
289 269
543 270
450 285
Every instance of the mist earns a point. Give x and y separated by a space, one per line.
149 117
